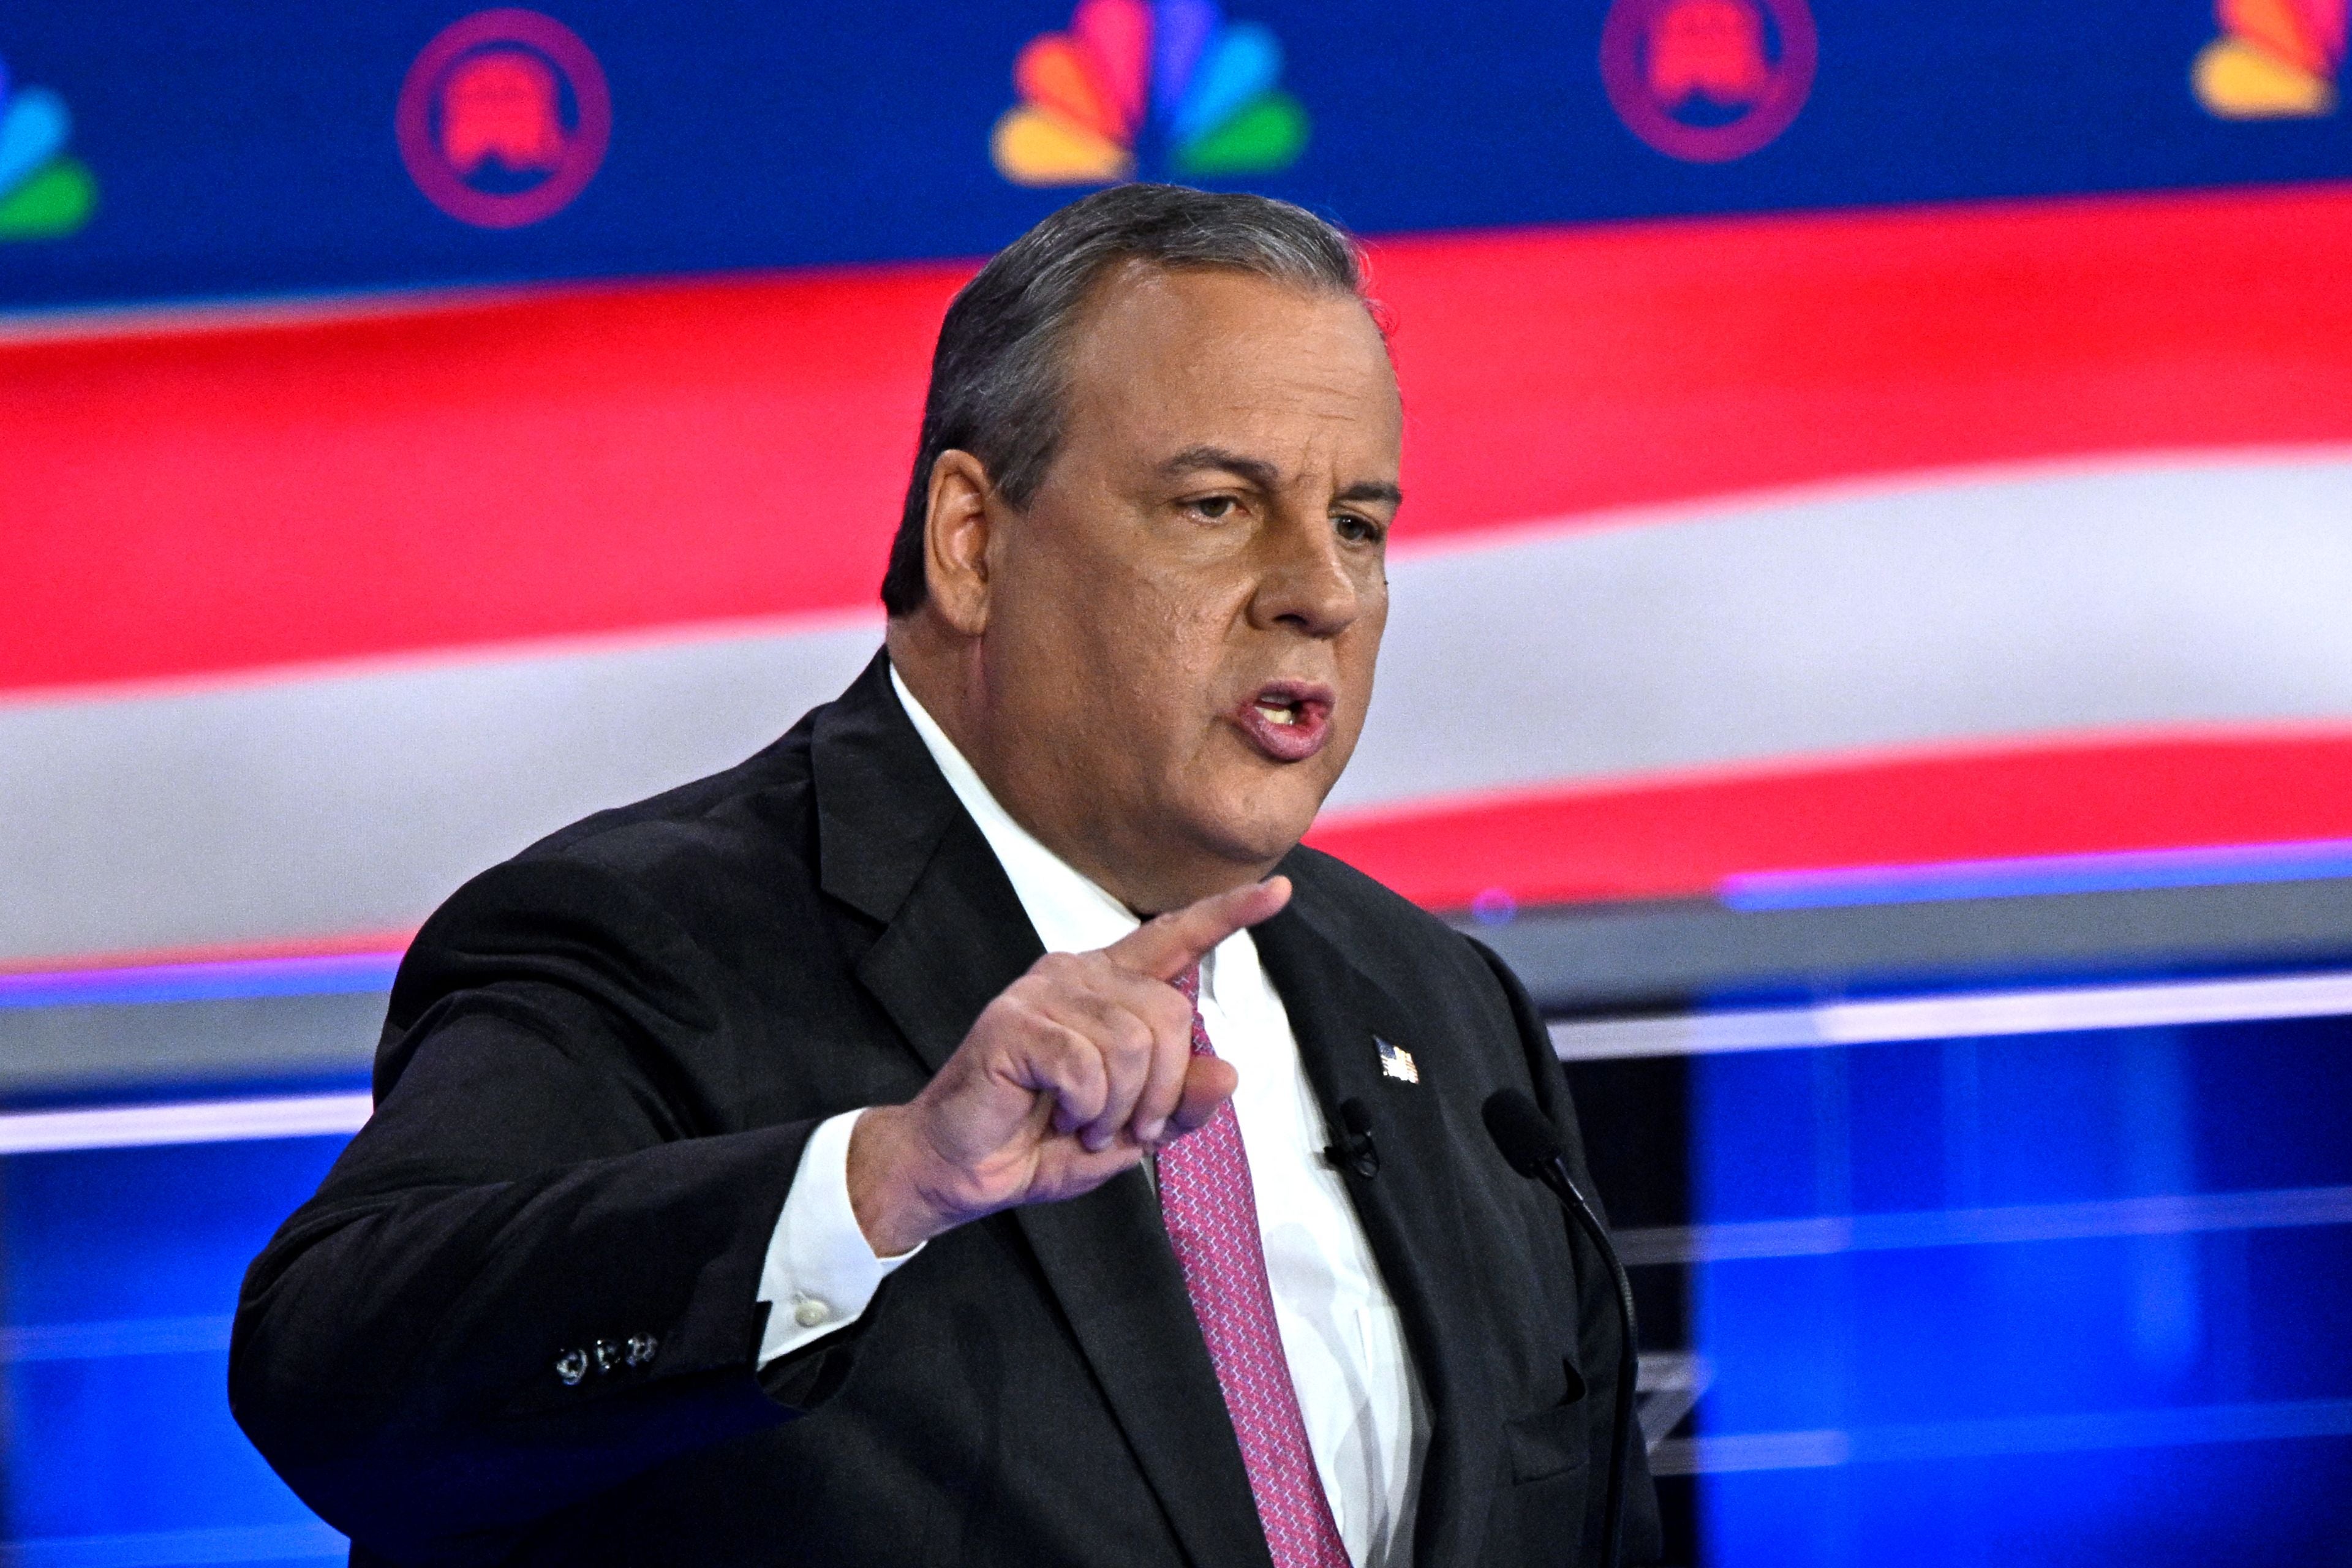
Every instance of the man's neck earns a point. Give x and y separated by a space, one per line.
943 672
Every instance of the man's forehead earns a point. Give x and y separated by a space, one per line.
1159 311
1202 369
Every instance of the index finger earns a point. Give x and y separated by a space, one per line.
1166 946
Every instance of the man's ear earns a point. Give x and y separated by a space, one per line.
957 530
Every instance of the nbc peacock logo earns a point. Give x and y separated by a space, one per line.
2275 59
1172 83
46 193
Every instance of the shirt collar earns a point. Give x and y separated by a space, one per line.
1071 912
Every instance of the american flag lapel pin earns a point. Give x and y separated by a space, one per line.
1395 1063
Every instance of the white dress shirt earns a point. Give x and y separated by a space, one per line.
1366 1418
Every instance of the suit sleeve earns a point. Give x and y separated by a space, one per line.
534 1273
1598 1334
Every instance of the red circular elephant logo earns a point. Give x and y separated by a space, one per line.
504 119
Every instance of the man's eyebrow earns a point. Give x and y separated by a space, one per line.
1265 476
1193 460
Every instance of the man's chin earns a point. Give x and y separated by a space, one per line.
1257 829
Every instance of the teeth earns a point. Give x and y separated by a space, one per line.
1279 715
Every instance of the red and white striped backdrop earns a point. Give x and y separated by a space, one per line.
1730 545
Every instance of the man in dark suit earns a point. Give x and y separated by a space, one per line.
908 1146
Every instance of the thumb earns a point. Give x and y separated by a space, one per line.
1166 946
1209 1082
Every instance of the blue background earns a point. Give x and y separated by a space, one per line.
249 149
2082 1350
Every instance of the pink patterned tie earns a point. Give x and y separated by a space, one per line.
1211 1213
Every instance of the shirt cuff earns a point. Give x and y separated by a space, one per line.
820 1272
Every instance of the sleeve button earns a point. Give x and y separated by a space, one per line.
642 1348
572 1366
808 1313
608 1355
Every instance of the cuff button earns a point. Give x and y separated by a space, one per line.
572 1366
642 1348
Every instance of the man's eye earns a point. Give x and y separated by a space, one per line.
1356 529
1211 509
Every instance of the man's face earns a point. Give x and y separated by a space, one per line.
1182 624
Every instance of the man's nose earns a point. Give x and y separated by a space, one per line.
1305 582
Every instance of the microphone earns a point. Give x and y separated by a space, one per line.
1530 1143
1353 1150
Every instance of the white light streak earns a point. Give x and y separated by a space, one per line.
1938 1440
1963 1016
2007 1223
186 1122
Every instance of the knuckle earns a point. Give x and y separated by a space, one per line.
1006 1014
1025 993
1070 1047
1026 1017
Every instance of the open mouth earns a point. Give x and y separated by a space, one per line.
1288 721
1279 713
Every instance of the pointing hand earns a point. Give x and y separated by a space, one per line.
1066 1078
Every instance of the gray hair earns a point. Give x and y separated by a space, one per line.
997 375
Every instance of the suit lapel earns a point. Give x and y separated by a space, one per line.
1338 1012
896 845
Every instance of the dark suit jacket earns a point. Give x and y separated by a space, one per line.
602 1062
